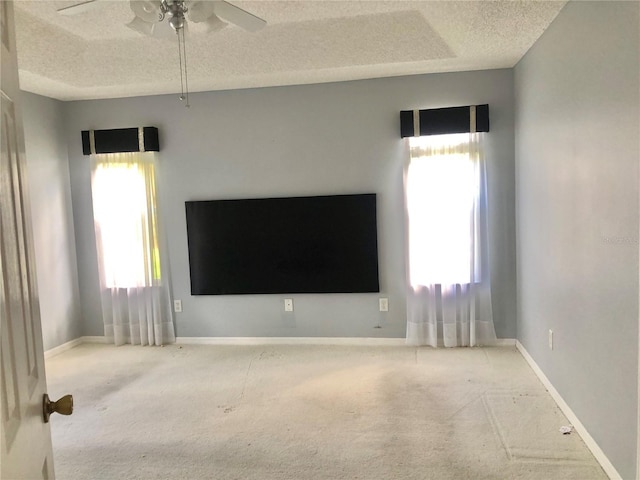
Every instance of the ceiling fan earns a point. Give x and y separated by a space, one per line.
150 13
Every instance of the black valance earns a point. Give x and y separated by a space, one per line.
118 140
441 121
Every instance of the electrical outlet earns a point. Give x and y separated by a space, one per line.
384 304
550 339
288 304
177 306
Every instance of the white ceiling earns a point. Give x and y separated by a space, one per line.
94 55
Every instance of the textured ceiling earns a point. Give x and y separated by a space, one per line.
94 55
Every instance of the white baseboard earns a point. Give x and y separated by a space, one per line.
597 452
52 352
355 341
370 341
290 341
95 339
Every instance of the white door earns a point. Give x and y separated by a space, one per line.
25 438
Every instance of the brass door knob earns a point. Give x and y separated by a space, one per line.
63 406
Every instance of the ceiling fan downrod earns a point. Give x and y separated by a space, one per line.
176 10
182 54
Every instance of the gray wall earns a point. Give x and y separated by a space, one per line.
54 242
298 140
577 153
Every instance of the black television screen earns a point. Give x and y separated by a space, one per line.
321 244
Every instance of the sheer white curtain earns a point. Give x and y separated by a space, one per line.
449 295
134 283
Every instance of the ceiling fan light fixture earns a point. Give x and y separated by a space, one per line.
147 10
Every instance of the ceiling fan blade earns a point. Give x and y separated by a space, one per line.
78 7
237 16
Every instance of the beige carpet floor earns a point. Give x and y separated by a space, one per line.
308 412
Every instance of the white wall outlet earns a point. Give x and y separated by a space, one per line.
177 306
384 304
550 339
288 304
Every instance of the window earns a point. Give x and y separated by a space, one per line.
442 191
124 203
134 292
449 299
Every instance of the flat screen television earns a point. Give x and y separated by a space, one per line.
320 244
